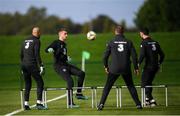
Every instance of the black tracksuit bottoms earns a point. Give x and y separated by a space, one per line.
148 75
129 82
28 71
65 71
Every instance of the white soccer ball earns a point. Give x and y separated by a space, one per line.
91 35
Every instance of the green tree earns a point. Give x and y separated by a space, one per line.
23 23
49 25
34 15
6 22
123 23
159 15
103 24
86 27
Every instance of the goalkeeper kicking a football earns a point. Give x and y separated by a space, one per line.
63 68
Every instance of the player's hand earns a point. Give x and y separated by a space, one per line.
21 69
136 71
69 59
138 65
22 72
42 70
50 50
106 70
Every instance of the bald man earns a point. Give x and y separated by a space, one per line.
32 65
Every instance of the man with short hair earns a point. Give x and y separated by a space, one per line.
120 50
64 69
32 66
152 53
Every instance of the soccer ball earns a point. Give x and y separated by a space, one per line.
91 35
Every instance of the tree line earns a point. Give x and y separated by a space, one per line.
157 15
12 24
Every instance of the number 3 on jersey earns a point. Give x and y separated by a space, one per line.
153 47
120 47
27 45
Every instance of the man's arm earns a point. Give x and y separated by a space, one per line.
161 54
50 48
106 57
37 52
134 56
142 53
38 57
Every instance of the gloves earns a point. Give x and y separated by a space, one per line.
69 59
22 72
50 50
42 70
136 71
106 69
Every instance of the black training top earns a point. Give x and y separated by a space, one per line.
60 51
30 51
120 50
152 52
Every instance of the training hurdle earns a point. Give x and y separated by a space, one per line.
120 94
33 89
113 87
155 86
71 96
94 102
143 96
44 95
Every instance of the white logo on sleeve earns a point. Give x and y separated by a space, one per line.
64 70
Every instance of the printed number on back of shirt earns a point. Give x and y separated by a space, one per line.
120 47
153 47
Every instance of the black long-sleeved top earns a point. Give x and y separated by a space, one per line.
60 51
30 51
152 52
120 50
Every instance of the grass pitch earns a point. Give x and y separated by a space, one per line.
95 76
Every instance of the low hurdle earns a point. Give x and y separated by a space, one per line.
113 87
143 96
44 95
155 86
94 102
67 97
120 94
33 89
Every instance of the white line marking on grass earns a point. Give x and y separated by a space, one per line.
14 112
50 100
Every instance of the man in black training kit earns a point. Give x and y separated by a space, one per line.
63 68
120 50
154 56
32 65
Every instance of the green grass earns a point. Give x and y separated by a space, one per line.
59 107
95 75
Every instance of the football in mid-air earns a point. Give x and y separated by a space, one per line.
91 35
